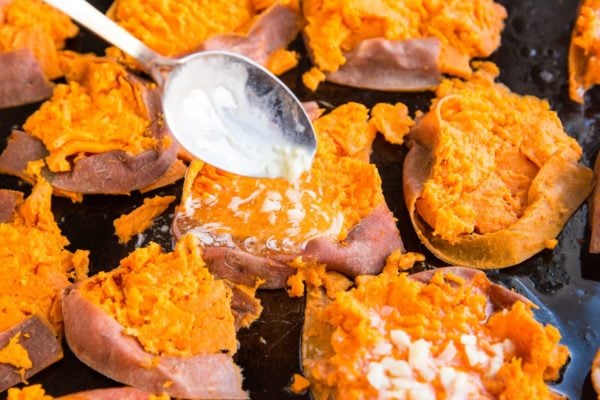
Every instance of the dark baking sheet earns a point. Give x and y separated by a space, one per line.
564 282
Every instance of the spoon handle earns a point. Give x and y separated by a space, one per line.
88 16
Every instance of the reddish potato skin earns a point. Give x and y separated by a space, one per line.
363 252
391 65
594 211
275 28
8 202
98 341
124 393
22 79
561 180
112 172
40 340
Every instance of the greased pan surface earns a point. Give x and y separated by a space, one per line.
564 282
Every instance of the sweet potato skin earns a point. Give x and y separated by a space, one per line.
23 80
594 211
364 251
124 393
391 65
8 202
554 193
97 340
274 29
561 181
40 340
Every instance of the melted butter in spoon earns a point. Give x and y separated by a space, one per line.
216 111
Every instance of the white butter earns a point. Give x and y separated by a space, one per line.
272 202
208 110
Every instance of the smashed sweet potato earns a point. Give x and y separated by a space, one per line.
596 373
168 323
34 25
260 30
35 268
36 392
584 51
140 219
594 211
399 45
101 132
31 35
491 177
251 227
446 333
100 109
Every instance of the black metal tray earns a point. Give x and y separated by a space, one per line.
564 282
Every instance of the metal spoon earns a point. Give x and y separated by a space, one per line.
222 107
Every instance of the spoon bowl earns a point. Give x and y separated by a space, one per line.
223 108
227 110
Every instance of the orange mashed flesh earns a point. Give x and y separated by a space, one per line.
179 27
34 25
466 29
393 337
34 265
100 109
33 392
274 216
491 144
37 392
584 56
140 219
16 355
299 384
169 302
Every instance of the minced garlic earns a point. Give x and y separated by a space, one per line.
395 338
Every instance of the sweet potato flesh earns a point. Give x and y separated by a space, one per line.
584 54
175 28
394 337
168 301
37 392
34 25
274 216
466 29
34 265
100 109
16 355
33 392
490 145
140 219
